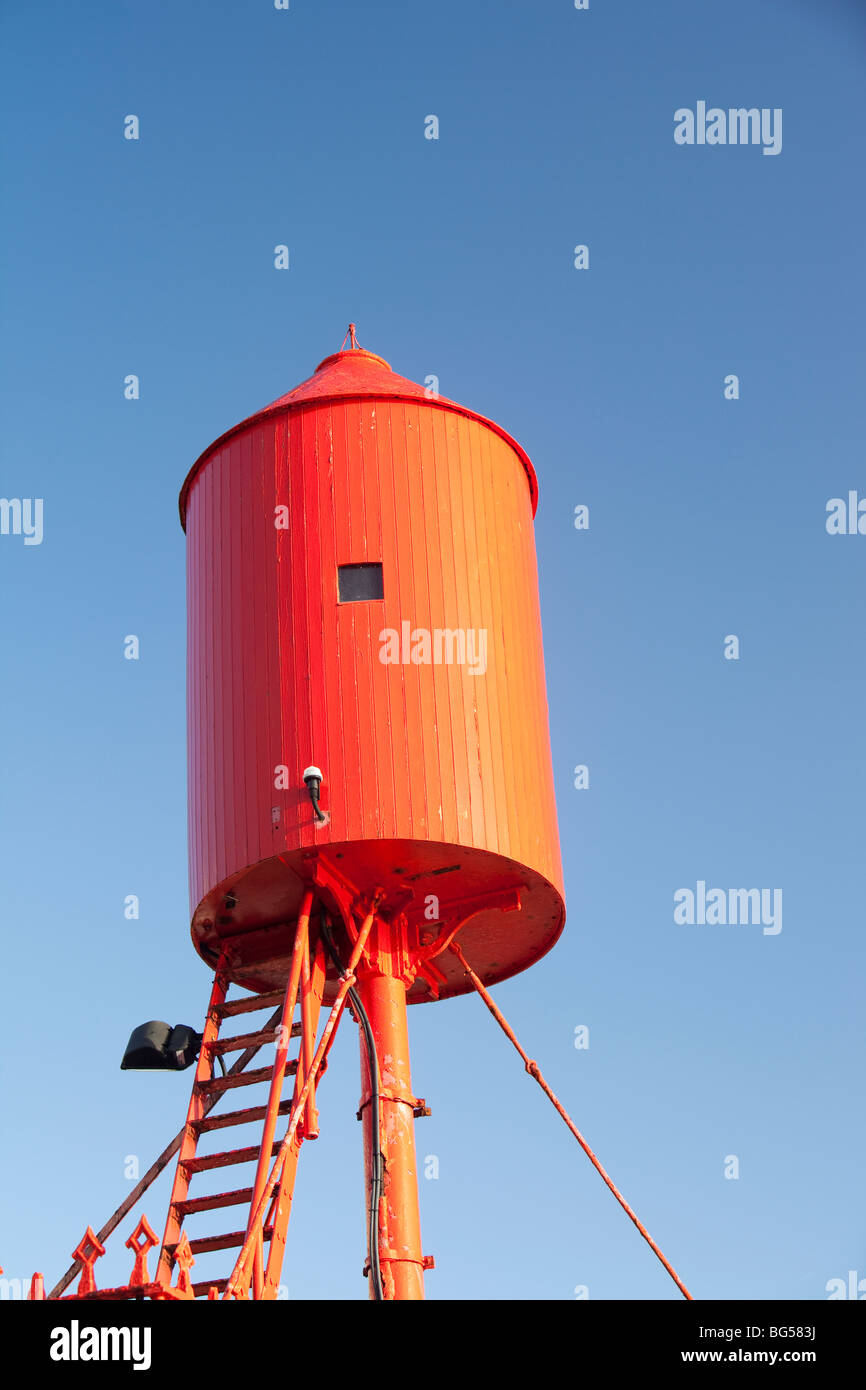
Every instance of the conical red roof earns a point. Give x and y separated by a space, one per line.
357 374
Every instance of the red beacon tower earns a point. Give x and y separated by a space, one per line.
363 597
371 800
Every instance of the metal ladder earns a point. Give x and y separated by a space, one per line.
302 996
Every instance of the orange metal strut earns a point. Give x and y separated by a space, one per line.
535 1073
299 955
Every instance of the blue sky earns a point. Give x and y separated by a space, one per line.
707 518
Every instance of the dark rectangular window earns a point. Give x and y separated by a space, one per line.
359 583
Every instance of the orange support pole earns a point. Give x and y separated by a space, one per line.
308 1038
383 994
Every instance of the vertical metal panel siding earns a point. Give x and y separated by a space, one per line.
281 673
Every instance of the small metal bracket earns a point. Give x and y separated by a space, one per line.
417 1104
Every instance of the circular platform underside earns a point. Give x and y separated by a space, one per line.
254 911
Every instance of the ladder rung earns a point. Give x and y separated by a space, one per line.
244 1040
201 1244
201 1289
248 1005
225 1160
243 1078
238 1117
190 1205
